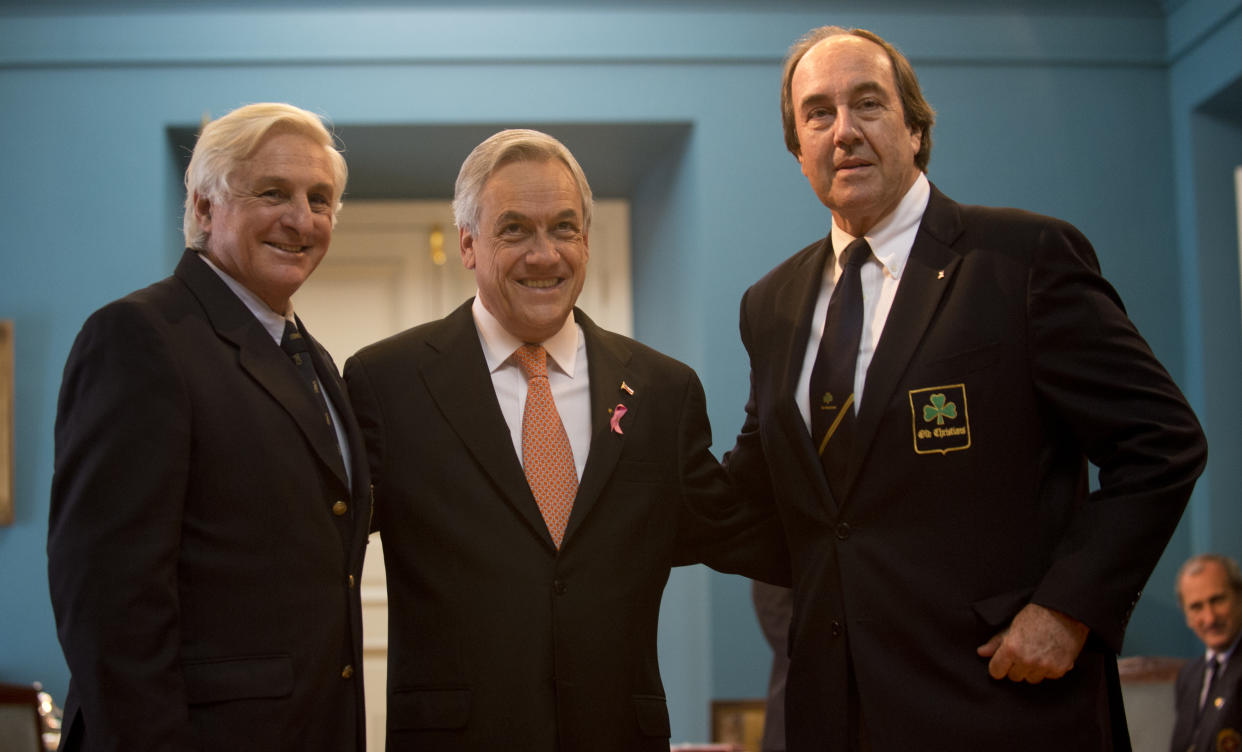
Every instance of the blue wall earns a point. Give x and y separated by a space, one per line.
1117 124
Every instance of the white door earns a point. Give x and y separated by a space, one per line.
396 264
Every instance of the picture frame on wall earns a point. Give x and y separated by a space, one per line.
1237 193
7 512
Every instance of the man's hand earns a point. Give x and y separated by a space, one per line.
1039 644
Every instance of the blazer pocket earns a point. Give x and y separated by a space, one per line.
652 711
999 610
417 709
249 678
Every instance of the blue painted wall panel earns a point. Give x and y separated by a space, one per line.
1080 117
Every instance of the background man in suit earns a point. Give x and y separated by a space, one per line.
1209 716
925 435
210 500
535 478
774 609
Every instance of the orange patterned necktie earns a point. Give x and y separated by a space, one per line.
547 457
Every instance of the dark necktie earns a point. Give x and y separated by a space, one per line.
297 348
832 377
1211 674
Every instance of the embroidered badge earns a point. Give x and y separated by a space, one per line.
1228 740
941 423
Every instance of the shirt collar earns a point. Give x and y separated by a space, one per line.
499 345
893 237
1225 654
273 322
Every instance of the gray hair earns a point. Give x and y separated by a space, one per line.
513 145
227 141
1195 565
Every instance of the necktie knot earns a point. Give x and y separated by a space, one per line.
293 343
533 360
856 253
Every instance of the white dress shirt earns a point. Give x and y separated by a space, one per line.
274 323
890 240
567 376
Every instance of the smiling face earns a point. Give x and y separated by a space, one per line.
1212 607
273 228
529 255
856 149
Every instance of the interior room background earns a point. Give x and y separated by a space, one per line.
1123 117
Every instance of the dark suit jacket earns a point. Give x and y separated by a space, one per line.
204 585
496 639
1220 729
1006 363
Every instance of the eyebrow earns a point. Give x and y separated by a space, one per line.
866 87
511 216
515 216
284 181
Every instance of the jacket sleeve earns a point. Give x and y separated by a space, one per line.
1114 401
726 530
118 492
366 409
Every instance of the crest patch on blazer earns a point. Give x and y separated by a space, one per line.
941 422
1228 740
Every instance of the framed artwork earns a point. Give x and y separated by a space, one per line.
738 723
6 422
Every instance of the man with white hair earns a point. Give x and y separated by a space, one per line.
210 500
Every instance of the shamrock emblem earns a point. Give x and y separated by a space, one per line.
938 410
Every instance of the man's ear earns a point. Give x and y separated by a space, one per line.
465 241
202 211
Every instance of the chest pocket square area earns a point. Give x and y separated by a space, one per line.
941 423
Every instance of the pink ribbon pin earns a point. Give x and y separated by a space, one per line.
617 412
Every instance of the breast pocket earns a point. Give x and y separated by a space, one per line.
248 678
957 365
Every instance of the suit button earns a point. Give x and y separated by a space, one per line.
836 628
351 580
347 672
340 508
843 530
559 587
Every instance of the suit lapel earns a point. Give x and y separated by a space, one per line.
928 274
460 384
260 357
608 361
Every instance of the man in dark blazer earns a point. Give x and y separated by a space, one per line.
517 624
1209 689
209 507
955 584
